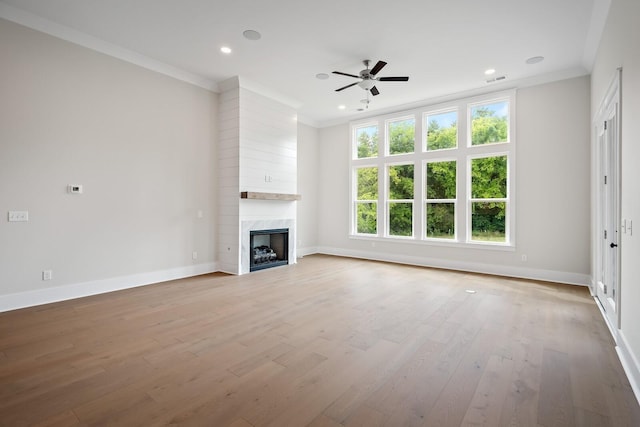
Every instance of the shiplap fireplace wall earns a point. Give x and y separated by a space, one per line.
257 152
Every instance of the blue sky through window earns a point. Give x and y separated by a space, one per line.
444 120
499 109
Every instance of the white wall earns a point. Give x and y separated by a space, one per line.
619 48
308 186
228 238
552 195
141 143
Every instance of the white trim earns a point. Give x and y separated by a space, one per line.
607 322
302 252
472 267
63 32
95 287
609 107
630 364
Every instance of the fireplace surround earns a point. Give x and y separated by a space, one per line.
246 252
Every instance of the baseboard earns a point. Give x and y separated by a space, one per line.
94 287
473 267
612 330
302 252
629 364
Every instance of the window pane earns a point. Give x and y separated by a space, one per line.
367 218
367 140
489 178
402 136
367 183
401 182
441 180
488 221
442 131
489 123
441 220
401 219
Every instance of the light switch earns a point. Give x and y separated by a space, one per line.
18 216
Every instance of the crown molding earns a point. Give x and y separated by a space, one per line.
63 32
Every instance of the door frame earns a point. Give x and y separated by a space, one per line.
607 123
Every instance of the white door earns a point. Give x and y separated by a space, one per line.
608 140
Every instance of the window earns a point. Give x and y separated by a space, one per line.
400 202
367 141
366 206
489 123
455 186
489 198
442 130
401 136
440 185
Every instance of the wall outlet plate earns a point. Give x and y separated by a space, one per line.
18 216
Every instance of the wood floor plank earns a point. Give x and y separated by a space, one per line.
365 416
64 419
486 406
555 407
326 342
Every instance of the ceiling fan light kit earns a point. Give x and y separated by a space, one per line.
368 78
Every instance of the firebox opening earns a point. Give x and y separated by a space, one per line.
269 248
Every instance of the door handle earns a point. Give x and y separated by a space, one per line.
613 245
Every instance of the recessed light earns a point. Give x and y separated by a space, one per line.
251 35
534 60
322 76
490 71
225 49
342 107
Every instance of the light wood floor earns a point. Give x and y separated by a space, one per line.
327 342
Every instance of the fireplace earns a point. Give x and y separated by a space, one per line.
269 248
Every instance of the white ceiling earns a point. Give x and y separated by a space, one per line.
443 45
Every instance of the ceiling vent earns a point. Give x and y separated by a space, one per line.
496 79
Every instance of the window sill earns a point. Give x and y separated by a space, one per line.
437 243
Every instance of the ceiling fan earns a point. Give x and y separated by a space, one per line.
368 77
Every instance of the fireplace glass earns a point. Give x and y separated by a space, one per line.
269 248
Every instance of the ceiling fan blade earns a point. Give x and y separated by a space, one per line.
393 79
376 69
374 91
345 74
347 86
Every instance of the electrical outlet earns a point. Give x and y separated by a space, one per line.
194 255
47 275
524 258
18 216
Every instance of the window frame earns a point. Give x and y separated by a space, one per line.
462 154
356 201
388 201
426 200
424 139
471 200
387 146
